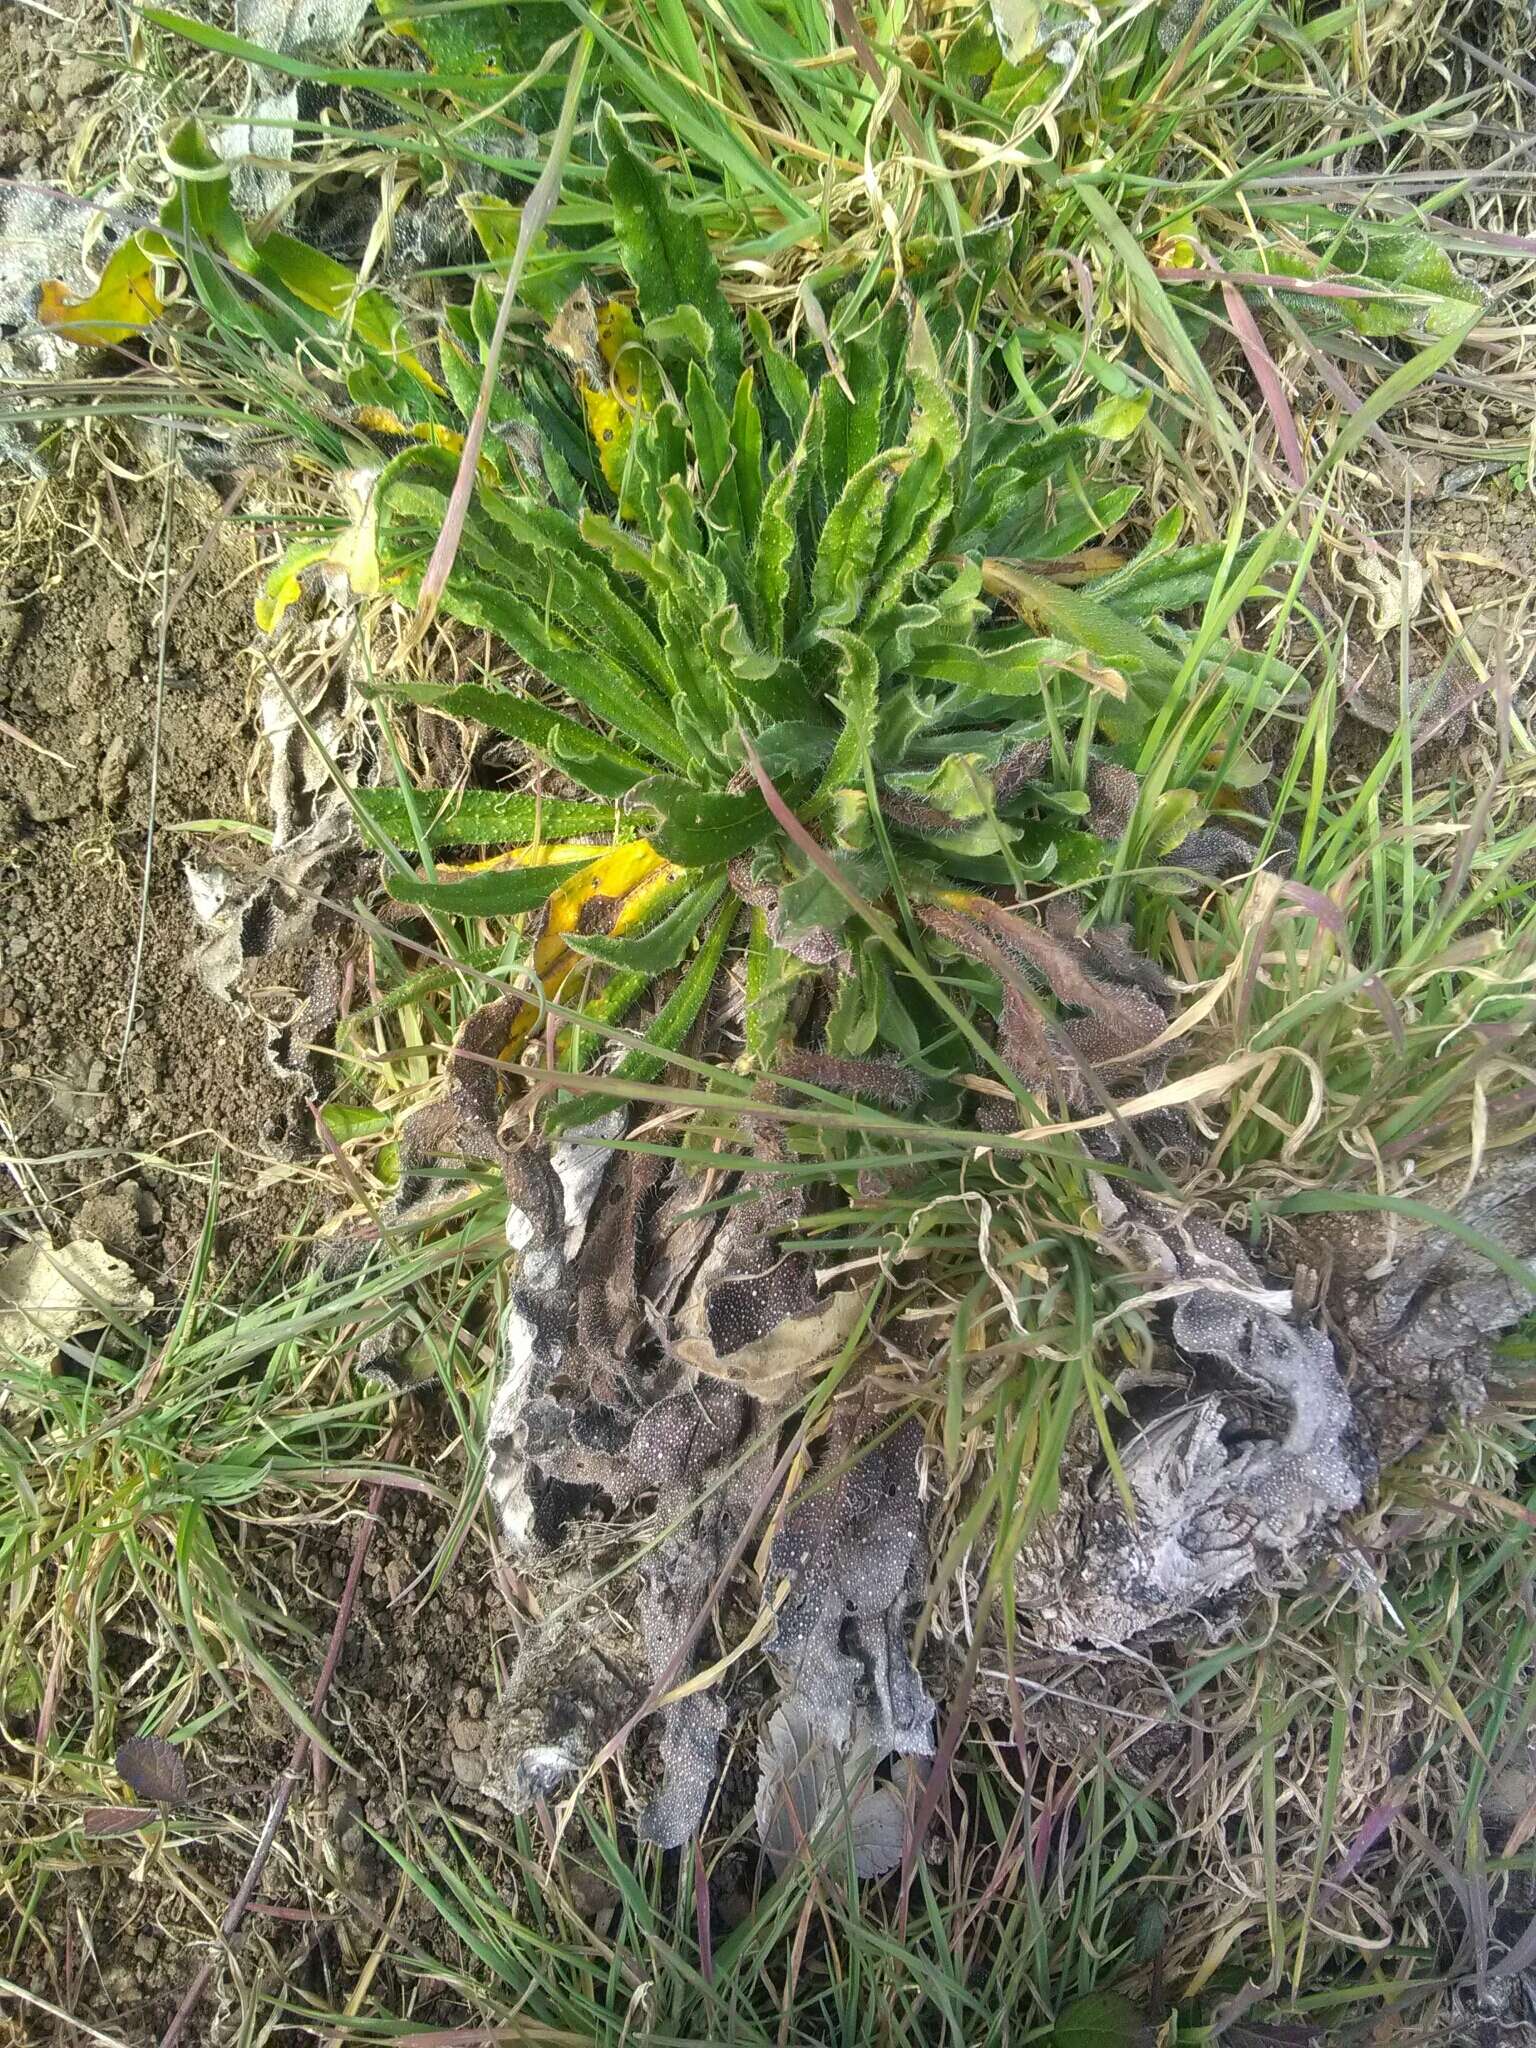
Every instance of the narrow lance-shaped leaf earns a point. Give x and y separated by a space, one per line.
507 893
664 249
680 1012
490 817
857 698
850 543
611 768
676 1019
665 944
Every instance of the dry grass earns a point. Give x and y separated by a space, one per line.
1317 1802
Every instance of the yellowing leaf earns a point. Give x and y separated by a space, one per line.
378 419
618 335
125 302
610 426
601 343
631 875
1116 419
284 584
353 553
326 286
1098 675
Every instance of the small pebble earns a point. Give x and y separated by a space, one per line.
468 1769
78 75
37 96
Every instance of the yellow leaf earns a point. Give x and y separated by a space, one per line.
284 584
125 302
629 874
601 343
610 426
378 419
354 553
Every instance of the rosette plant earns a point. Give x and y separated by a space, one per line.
834 651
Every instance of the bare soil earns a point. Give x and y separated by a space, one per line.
119 1093
54 77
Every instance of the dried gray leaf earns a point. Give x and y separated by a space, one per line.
49 1294
1422 1310
1234 1471
811 1797
153 1768
852 1550
44 236
574 1683
597 1409
259 145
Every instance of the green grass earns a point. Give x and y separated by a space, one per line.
1219 1824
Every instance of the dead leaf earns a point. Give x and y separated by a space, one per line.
49 1295
810 1795
1396 591
153 1768
102 1822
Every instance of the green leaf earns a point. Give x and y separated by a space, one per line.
851 419
701 828
772 974
1116 419
787 383
489 817
1167 581
586 675
680 1012
777 535
1101 2019
664 248
682 331
345 1120
508 894
664 945
672 1024
713 454
920 503
935 422
794 749
857 698
1083 622
609 770
747 444
1011 671
850 542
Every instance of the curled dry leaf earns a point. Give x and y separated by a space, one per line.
849 1562
50 1294
1236 1469
645 1346
1421 1309
1112 1004
153 1769
810 1797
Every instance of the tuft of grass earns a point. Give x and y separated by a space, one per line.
1253 227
